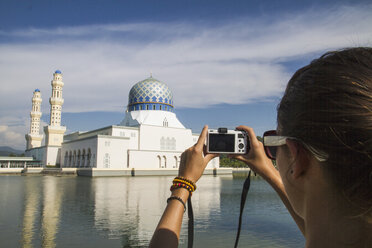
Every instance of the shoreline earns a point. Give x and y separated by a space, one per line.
94 172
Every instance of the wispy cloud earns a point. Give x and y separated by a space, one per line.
237 62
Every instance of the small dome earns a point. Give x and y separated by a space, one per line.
58 72
37 90
150 94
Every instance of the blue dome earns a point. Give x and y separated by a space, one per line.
58 72
37 90
150 94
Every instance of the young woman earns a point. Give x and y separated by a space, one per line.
323 149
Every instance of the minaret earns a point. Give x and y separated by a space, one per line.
56 100
54 132
34 138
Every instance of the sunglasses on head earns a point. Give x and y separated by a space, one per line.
271 141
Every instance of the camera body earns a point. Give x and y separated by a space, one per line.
226 141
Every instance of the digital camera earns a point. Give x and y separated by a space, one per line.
227 141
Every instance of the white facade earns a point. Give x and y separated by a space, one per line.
150 137
150 117
118 147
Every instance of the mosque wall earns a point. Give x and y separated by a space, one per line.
112 152
79 153
127 132
123 131
154 160
164 139
53 155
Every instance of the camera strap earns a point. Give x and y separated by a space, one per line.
245 190
190 234
190 240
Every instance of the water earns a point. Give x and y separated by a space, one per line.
52 211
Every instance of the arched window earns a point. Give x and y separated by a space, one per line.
83 159
70 159
65 160
159 160
172 144
74 160
167 143
94 165
162 143
147 107
160 107
165 122
89 155
106 160
78 159
175 162
165 161
154 107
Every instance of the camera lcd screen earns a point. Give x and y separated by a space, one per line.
221 142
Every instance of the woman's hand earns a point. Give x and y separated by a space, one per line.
194 160
256 158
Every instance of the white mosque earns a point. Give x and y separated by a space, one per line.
149 140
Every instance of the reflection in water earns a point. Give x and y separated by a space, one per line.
50 195
130 208
30 212
49 211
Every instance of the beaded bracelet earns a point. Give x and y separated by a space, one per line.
181 185
181 182
178 199
187 180
176 180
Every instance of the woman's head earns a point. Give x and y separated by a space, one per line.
328 106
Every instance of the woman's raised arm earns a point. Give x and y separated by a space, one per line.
192 165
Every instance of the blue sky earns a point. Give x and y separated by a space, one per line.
227 62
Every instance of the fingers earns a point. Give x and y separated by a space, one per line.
200 144
252 136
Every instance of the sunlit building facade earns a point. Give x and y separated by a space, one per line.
149 139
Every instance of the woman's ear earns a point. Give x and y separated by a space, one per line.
301 161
